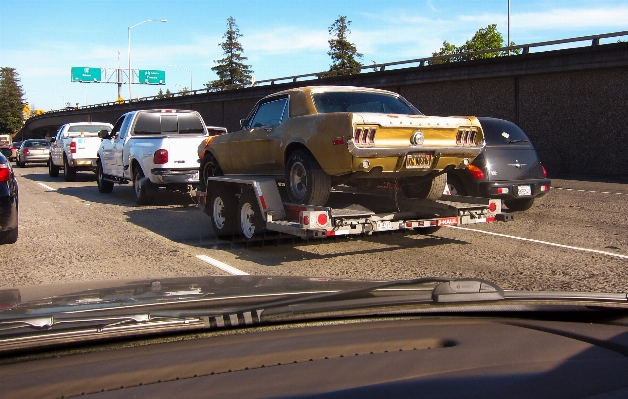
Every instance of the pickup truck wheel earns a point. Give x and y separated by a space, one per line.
306 182
519 205
53 171
250 220
428 189
209 167
104 186
222 210
69 172
141 196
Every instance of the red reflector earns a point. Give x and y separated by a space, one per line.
544 171
322 219
160 157
544 188
261 199
338 142
492 207
408 224
306 220
490 219
330 233
73 147
476 172
4 172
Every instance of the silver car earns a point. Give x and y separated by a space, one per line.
33 151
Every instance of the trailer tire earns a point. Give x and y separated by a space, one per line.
222 210
306 182
519 205
141 194
428 189
250 220
209 167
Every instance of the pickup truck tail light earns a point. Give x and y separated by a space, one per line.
73 147
160 157
5 172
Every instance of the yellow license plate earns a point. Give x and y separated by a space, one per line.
419 161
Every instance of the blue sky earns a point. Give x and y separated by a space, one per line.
42 40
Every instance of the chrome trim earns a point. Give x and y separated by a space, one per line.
373 152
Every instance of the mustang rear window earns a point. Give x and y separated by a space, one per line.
157 123
334 101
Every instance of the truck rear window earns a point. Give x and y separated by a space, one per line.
355 101
88 128
157 123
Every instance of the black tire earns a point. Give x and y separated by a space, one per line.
427 230
306 182
427 189
20 163
53 171
141 196
209 167
519 205
104 186
222 209
9 237
250 220
69 172
455 185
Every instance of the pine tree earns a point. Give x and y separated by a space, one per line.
342 52
231 70
160 94
11 101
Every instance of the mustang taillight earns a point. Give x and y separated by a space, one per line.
364 135
466 136
476 172
160 157
73 147
5 172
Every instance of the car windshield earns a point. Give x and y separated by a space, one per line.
355 101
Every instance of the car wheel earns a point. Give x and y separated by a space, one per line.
20 163
69 172
306 182
222 211
53 171
518 205
104 186
455 186
250 220
209 167
428 189
141 196
9 237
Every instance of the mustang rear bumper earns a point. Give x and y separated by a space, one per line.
377 152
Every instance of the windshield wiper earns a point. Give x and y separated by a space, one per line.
518 141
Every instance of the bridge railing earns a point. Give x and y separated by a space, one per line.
506 51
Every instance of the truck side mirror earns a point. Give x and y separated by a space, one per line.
50 139
104 134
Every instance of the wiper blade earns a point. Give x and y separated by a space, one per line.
518 141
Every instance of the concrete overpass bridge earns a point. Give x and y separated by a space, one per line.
571 102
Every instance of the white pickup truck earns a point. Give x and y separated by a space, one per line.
151 149
75 147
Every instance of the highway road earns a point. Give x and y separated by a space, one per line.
575 238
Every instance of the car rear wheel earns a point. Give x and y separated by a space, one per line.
518 205
53 171
455 186
20 163
306 182
250 220
104 186
141 195
428 189
69 172
222 211
9 237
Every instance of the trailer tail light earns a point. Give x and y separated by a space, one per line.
73 147
5 172
492 207
160 157
314 219
476 172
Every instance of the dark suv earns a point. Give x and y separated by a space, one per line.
508 168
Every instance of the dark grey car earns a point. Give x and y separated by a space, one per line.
508 168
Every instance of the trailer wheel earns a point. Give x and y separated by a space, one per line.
250 220
306 182
428 189
209 167
222 211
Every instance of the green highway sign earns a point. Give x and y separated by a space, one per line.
152 77
85 74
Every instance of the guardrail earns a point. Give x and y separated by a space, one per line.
509 51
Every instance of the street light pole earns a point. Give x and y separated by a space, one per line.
179 66
129 49
508 44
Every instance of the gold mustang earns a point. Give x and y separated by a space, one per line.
314 138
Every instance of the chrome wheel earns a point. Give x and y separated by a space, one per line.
218 212
247 220
298 180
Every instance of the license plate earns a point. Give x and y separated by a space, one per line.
419 161
524 190
384 225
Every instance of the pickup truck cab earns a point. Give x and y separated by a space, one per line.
151 149
75 147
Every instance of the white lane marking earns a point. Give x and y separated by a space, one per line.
47 187
543 242
222 266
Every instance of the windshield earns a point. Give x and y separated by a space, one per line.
353 101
